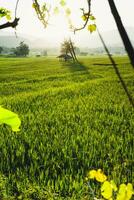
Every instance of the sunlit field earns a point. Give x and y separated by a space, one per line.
75 117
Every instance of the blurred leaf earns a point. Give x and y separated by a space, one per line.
10 118
68 11
56 10
62 2
44 7
8 17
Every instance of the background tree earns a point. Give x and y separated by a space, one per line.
77 50
44 53
67 47
1 49
22 50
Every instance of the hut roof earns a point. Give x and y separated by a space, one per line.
64 56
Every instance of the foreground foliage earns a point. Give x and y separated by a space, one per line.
109 189
9 118
74 118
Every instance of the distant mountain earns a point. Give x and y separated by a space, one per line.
111 38
81 39
11 41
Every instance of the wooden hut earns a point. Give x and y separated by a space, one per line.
64 57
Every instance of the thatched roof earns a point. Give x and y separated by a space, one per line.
66 56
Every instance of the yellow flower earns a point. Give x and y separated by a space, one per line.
92 174
125 192
107 189
98 175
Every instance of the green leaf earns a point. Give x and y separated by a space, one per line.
91 17
10 118
92 28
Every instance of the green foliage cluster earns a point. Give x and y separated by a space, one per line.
74 118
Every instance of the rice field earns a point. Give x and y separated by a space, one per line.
75 117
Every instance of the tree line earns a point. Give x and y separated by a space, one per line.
20 51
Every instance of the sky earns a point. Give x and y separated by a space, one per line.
58 26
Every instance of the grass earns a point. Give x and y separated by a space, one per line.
74 118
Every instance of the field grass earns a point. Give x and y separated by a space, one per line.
75 117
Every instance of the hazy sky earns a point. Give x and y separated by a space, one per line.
58 28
